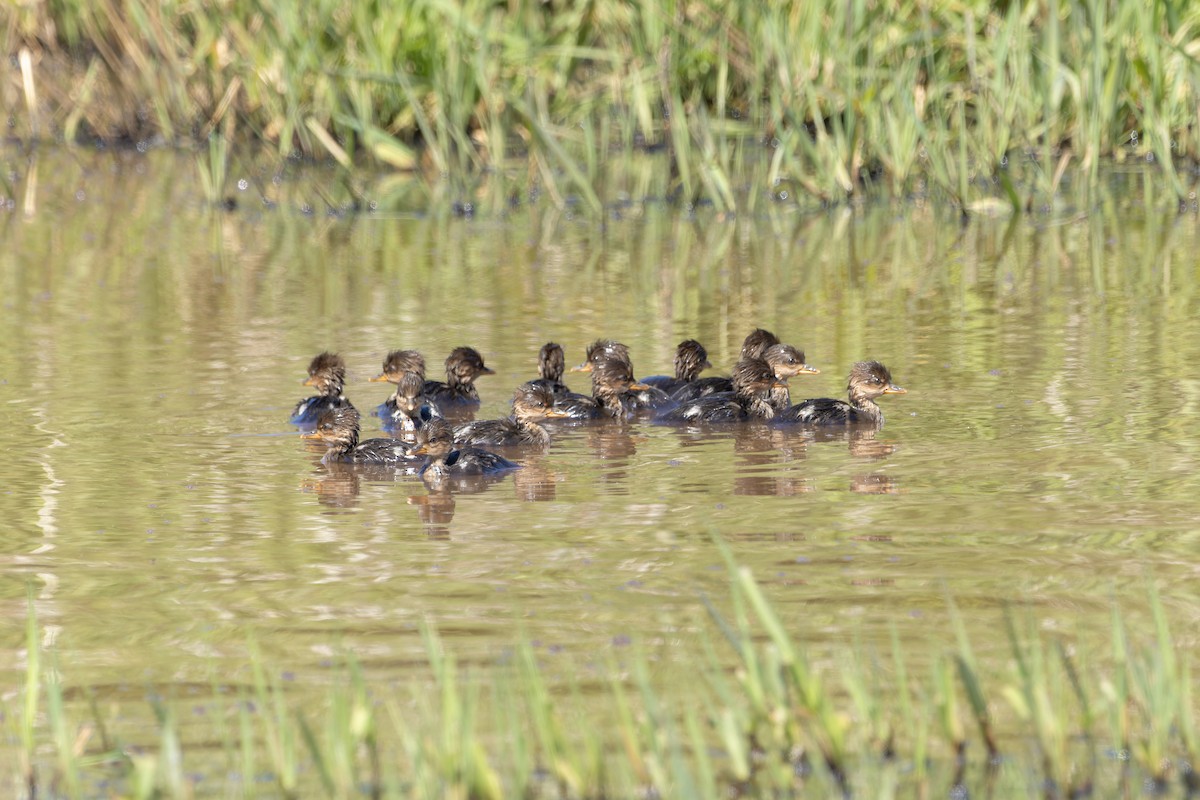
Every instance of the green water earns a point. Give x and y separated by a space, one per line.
163 514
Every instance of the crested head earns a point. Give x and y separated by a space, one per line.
325 361
410 393
337 427
464 365
753 377
785 360
607 350
870 379
551 361
611 375
757 343
690 359
401 362
532 401
435 438
327 372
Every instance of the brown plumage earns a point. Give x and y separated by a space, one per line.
445 459
551 365
868 380
463 366
754 380
406 369
530 405
690 359
327 374
338 430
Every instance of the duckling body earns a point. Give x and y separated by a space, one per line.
786 362
327 374
690 359
551 364
531 404
614 389
753 379
338 429
637 396
753 346
444 460
400 412
868 380
701 387
463 366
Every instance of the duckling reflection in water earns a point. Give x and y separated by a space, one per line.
338 430
335 484
400 412
458 394
327 374
769 461
436 511
868 381
530 405
435 441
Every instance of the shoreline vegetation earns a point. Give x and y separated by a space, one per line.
990 105
771 722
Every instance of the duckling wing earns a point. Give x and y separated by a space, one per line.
444 395
472 461
556 388
652 399
722 407
578 406
666 383
310 409
819 411
694 390
487 431
383 451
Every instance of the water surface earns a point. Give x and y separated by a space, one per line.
163 513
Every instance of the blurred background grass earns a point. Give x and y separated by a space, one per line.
985 102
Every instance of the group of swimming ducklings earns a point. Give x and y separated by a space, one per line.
436 436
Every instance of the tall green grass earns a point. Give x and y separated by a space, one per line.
978 101
762 719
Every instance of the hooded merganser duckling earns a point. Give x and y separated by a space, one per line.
326 373
868 380
613 393
639 396
531 403
338 429
581 406
754 380
757 342
786 362
400 412
690 359
753 346
551 364
463 366
436 442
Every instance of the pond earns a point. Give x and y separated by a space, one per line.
163 515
